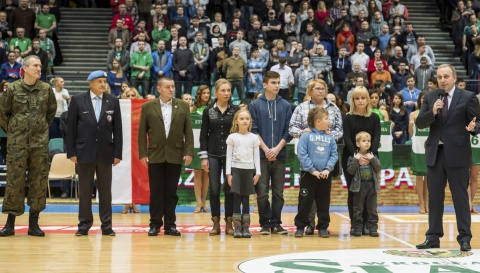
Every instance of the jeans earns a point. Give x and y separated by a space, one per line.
217 165
180 81
300 97
338 88
284 93
144 82
401 140
270 216
54 130
239 86
247 10
228 10
200 75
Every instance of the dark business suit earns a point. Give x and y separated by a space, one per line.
96 145
450 161
165 156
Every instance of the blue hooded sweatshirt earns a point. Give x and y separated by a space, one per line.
270 120
317 151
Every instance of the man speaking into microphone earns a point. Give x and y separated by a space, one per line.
452 115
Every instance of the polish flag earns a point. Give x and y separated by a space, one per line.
130 177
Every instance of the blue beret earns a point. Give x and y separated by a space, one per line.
97 74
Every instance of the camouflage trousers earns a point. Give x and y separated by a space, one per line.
31 164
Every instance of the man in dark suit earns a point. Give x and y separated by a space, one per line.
94 142
448 154
165 122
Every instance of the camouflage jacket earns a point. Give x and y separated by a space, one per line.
26 113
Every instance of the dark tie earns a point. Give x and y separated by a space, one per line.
445 106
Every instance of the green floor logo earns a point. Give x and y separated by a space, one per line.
367 261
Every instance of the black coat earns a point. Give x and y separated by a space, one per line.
90 140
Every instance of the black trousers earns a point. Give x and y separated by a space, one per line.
312 188
365 199
163 181
458 181
185 81
284 93
86 177
348 179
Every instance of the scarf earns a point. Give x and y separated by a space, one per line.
199 54
346 34
161 59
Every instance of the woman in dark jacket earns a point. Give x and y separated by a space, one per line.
216 123
359 118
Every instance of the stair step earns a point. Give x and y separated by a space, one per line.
95 35
83 55
83 28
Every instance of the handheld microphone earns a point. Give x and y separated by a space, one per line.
441 95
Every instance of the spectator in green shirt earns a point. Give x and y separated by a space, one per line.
46 21
24 43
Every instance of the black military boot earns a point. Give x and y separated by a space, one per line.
9 228
33 228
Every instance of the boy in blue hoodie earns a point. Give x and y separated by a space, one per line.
317 153
365 185
270 121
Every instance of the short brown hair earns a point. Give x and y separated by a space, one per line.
270 75
315 114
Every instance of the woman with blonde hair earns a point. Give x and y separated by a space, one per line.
55 130
317 91
200 178
131 93
63 97
322 12
359 118
216 122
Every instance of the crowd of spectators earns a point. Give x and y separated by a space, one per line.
28 27
197 42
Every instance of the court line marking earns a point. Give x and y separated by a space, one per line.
383 233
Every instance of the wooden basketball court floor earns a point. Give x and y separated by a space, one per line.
133 251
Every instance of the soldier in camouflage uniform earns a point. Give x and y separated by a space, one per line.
27 107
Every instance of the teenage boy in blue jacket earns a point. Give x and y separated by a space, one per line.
271 118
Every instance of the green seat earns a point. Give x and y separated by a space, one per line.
56 144
194 92
2 133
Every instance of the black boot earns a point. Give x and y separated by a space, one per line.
9 228
310 228
33 228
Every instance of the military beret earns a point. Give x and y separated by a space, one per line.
97 74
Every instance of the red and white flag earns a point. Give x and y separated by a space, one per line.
130 177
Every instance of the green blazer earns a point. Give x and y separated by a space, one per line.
152 141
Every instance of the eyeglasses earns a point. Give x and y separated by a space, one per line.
130 96
321 89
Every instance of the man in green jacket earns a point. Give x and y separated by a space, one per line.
165 123
141 61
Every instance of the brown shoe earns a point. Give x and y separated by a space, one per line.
229 226
216 226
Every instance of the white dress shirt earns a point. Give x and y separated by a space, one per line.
167 115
